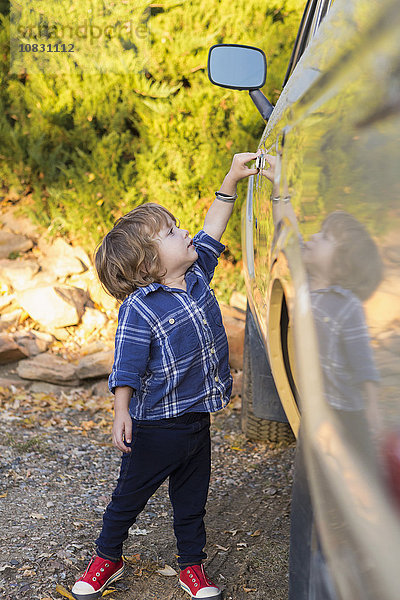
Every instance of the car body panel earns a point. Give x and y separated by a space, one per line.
336 132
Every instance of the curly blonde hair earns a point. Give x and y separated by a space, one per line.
127 258
356 264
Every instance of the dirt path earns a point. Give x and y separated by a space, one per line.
58 469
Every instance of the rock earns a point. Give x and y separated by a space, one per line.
33 343
235 333
10 351
53 306
59 258
100 388
238 300
7 381
48 367
97 293
46 388
17 223
5 300
42 278
96 365
96 346
92 320
19 272
80 253
11 242
10 318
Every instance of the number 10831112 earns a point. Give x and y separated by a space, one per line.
46 48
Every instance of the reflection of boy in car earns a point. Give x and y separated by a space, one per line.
344 269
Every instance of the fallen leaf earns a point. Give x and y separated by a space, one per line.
167 571
237 448
232 531
107 592
88 425
246 589
3 495
28 573
61 590
37 516
256 533
132 559
221 548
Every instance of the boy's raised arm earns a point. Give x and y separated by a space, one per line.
220 212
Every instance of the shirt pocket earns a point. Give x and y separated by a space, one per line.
179 337
213 310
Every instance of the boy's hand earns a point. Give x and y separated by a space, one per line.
238 169
122 430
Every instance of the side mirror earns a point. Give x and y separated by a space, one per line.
237 67
240 67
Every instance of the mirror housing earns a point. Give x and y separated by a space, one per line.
240 67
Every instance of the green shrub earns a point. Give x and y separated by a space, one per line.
82 148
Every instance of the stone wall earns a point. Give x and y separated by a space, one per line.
57 324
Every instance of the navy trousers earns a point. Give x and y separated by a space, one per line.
178 448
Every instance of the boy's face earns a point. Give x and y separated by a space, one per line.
318 254
176 250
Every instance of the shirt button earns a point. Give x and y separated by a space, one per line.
212 350
216 379
172 321
204 321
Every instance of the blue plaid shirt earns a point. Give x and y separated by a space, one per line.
171 345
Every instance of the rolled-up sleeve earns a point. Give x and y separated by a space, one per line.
208 251
132 347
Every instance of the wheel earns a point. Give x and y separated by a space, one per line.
255 428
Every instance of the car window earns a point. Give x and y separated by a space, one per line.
313 16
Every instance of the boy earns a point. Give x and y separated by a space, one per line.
170 372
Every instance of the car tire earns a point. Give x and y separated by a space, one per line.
255 428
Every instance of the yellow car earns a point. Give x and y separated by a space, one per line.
321 250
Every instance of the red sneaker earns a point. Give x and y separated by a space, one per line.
195 582
98 575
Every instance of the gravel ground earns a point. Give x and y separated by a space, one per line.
58 469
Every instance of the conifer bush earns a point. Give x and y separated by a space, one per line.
81 147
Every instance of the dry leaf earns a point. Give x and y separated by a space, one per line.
167 571
237 448
107 592
256 533
221 548
61 590
232 531
246 589
3 495
132 559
